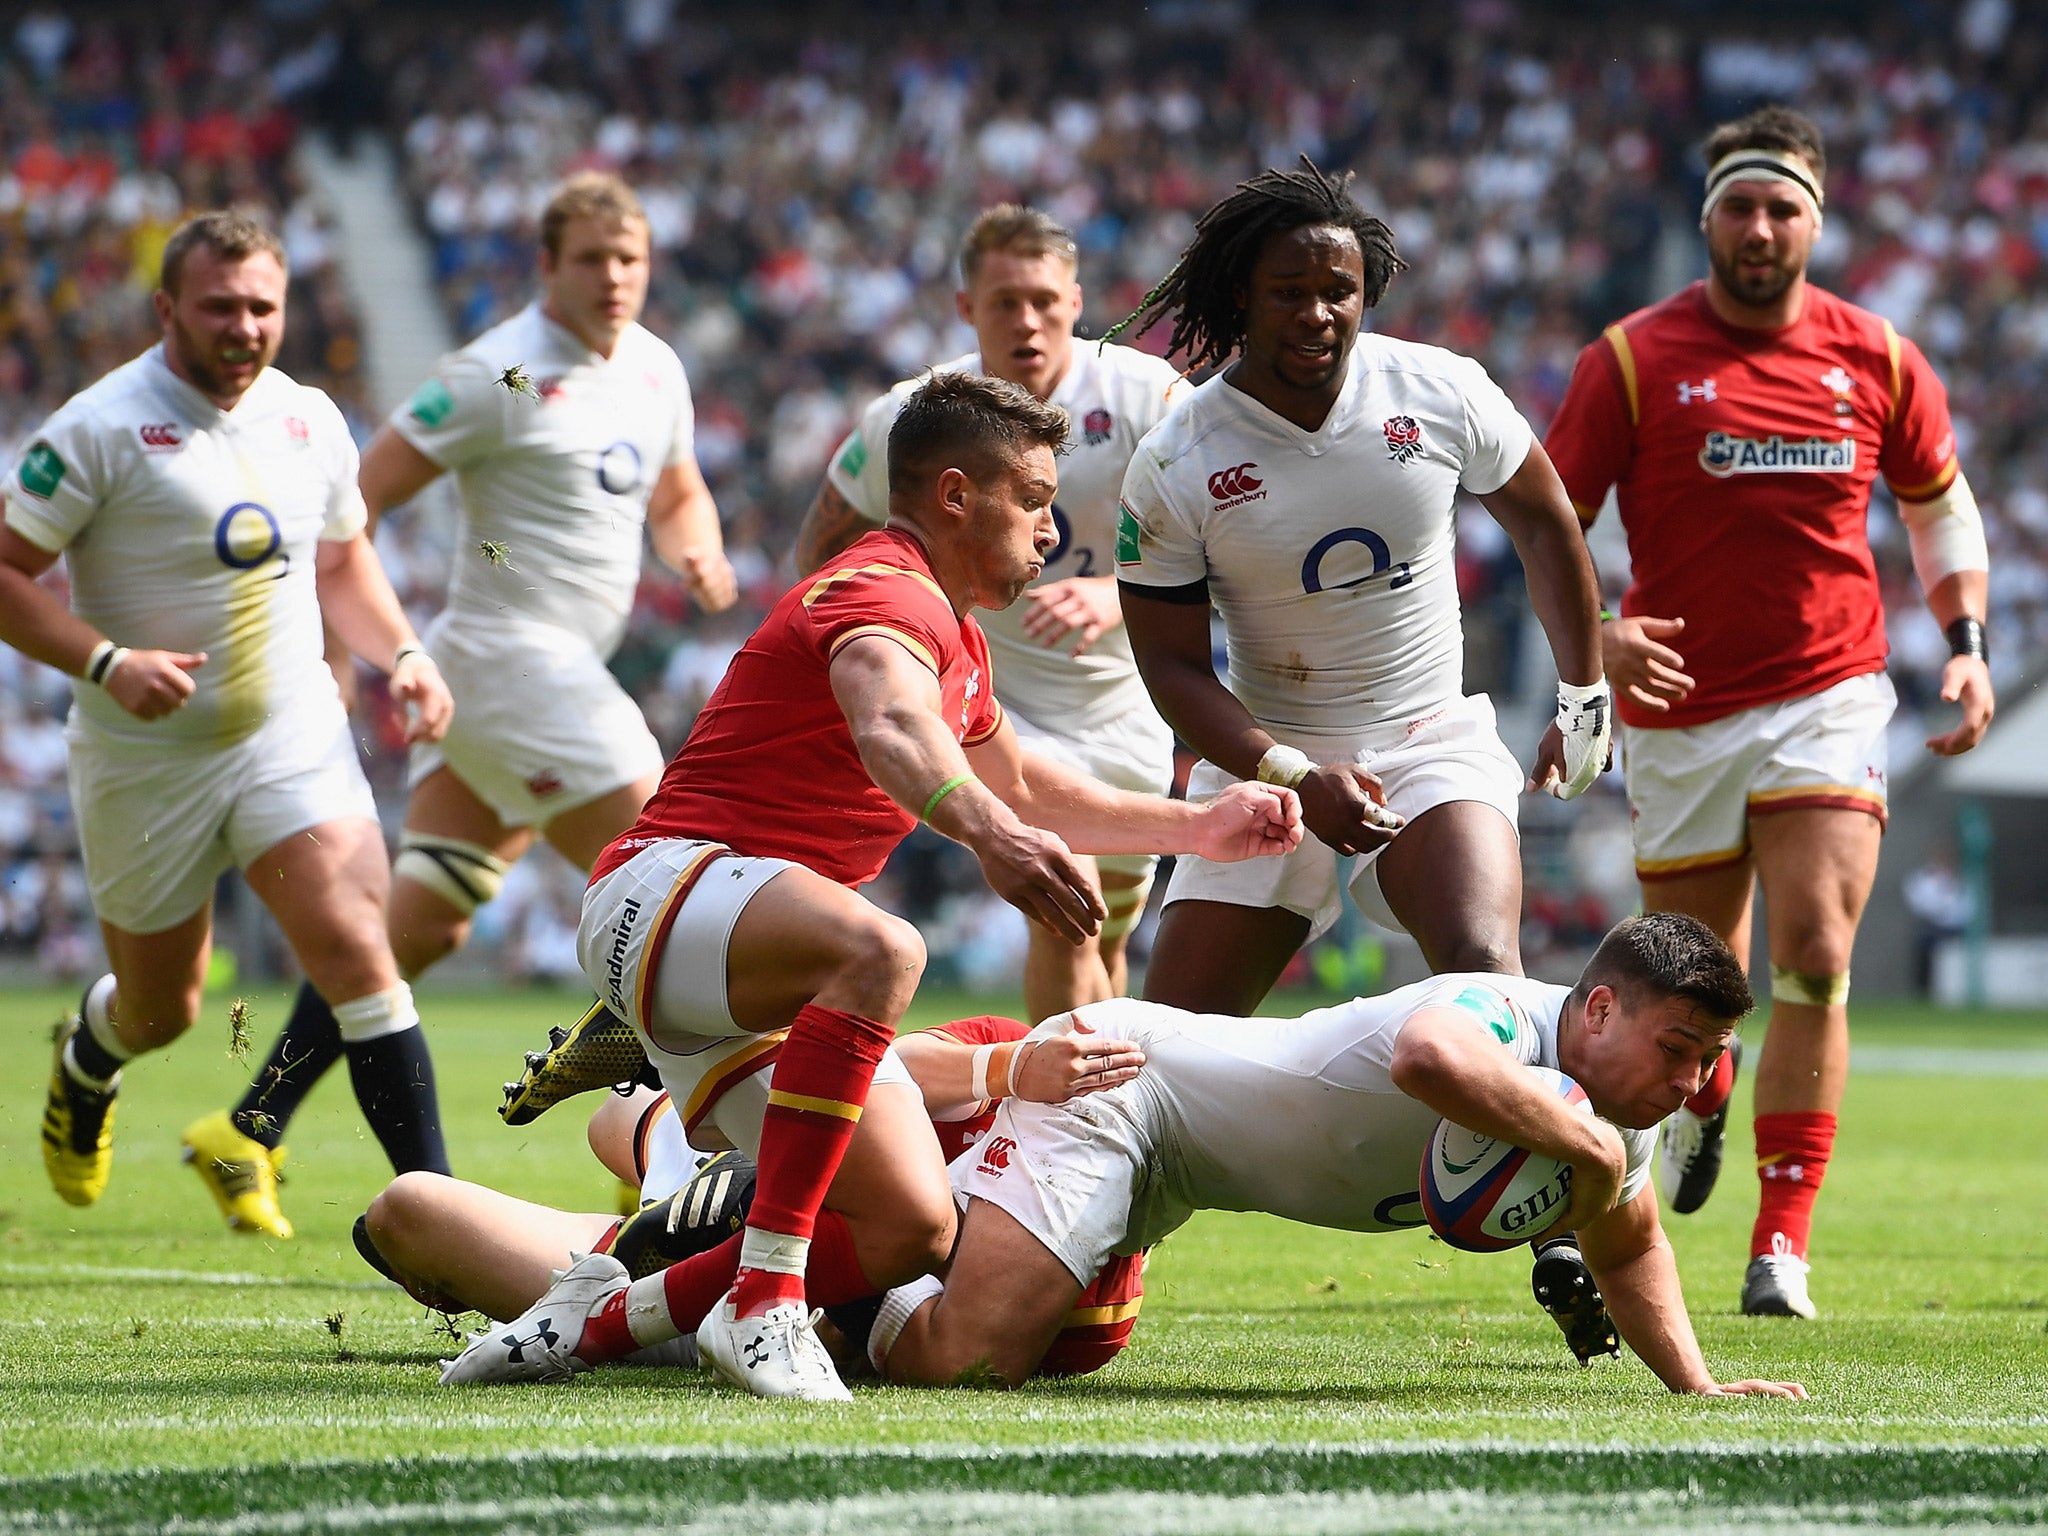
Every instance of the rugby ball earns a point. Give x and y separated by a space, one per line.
1485 1195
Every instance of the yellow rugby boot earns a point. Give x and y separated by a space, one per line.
78 1130
600 1050
239 1172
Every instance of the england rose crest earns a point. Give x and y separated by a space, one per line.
1404 437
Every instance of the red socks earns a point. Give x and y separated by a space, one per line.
696 1285
821 1081
1791 1160
1715 1090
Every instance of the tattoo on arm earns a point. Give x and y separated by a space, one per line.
832 523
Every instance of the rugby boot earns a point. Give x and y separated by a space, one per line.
1775 1286
1689 1150
695 1219
540 1343
239 1172
600 1050
777 1354
1565 1289
78 1129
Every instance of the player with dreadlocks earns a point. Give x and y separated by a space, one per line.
1308 492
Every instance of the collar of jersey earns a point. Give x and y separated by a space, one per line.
1320 440
194 401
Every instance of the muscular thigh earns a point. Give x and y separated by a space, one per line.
1452 878
1817 867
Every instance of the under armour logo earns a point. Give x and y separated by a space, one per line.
1689 392
543 1335
757 1351
1236 483
159 434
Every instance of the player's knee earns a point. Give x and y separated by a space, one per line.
881 964
1499 954
919 1239
1816 946
418 944
403 1209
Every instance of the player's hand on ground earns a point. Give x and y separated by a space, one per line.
1247 821
1965 680
1637 657
710 578
1346 807
1038 875
1072 614
418 688
1754 1388
1061 1067
150 684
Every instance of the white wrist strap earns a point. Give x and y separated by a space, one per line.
982 1053
1582 693
1285 766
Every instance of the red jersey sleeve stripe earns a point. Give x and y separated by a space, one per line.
995 724
832 579
1932 488
1895 351
1625 360
910 643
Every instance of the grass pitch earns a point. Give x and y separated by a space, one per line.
159 1373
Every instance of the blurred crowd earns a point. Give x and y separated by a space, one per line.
806 181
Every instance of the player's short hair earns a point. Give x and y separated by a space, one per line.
1772 127
1202 289
229 235
970 422
1665 955
587 195
1011 229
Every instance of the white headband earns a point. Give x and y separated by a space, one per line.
1761 165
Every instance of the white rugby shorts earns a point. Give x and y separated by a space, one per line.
1071 1174
1450 753
1692 789
1132 751
539 728
653 944
159 822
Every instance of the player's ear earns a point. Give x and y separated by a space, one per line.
1603 1007
963 305
956 492
164 304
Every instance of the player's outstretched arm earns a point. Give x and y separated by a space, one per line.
358 601
1342 804
1631 1259
1245 821
682 523
1048 1070
148 684
1537 515
891 702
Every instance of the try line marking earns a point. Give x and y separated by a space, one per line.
181 1276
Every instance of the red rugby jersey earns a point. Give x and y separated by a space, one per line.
1743 463
770 768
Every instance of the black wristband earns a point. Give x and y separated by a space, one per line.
1966 638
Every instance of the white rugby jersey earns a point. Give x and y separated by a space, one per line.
1300 1117
1328 554
190 528
1114 395
559 473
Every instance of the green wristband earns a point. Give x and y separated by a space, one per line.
941 792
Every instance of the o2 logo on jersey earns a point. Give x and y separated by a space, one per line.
247 535
618 469
1382 562
1084 557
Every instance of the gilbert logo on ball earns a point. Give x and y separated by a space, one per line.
1485 1195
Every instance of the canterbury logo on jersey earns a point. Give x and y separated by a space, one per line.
1236 485
159 436
1724 454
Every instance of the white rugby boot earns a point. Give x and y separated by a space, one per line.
1775 1286
540 1344
774 1355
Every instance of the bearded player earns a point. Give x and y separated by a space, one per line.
726 929
1743 424
564 471
1063 662
207 509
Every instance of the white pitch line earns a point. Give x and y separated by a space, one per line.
1946 1061
184 1276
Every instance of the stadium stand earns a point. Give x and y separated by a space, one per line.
806 180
